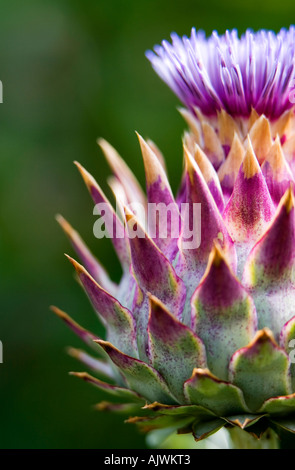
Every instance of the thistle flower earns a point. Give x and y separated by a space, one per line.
202 337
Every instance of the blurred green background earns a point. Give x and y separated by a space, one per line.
72 71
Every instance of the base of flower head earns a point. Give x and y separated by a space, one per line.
225 438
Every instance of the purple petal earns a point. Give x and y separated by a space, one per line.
225 72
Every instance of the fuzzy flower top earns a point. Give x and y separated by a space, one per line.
226 72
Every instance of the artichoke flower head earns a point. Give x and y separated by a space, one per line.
201 336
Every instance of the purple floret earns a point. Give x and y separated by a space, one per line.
256 71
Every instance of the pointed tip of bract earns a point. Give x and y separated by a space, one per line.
157 152
236 154
188 141
109 347
145 148
156 307
129 216
253 117
227 128
85 335
78 267
192 122
60 219
74 352
87 177
124 174
200 156
229 169
60 313
277 171
212 145
77 374
112 157
192 167
261 138
250 207
283 125
275 155
217 257
158 314
152 165
190 163
210 175
65 225
142 142
197 372
264 335
288 199
102 142
109 152
155 302
80 375
118 191
101 342
78 165
250 163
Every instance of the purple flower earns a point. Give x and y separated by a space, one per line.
228 72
